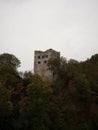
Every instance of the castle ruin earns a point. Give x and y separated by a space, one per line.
41 59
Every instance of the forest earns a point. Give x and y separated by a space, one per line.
69 102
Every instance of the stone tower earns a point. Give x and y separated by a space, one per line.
40 63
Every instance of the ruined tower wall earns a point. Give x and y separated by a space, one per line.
41 59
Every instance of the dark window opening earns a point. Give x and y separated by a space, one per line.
42 56
38 57
39 62
53 74
46 56
45 61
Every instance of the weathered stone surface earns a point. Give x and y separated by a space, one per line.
41 59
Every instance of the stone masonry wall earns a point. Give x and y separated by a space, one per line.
40 63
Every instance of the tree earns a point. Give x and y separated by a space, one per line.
6 109
27 78
94 59
58 67
72 61
9 75
34 110
9 59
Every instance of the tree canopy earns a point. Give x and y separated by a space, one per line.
9 59
69 102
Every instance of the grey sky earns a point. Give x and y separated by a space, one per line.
68 26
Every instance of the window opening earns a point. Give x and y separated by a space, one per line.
38 57
39 62
45 61
46 56
42 56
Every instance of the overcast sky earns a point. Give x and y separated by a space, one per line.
68 26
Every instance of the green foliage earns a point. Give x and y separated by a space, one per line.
9 59
58 67
27 78
6 109
70 102
8 70
82 85
94 59
34 112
